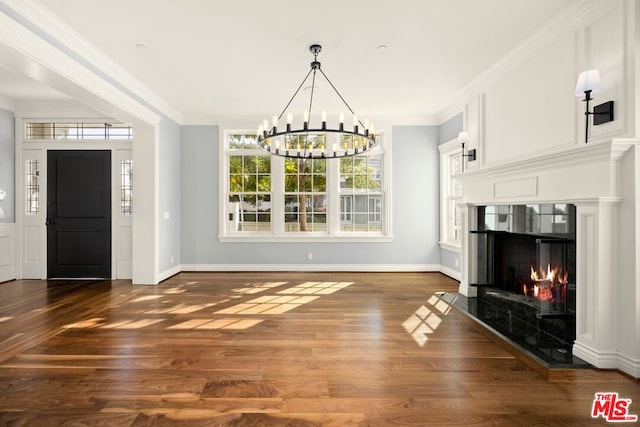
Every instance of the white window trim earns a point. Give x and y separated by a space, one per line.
278 234
446 150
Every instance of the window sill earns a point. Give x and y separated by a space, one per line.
453 247
358 238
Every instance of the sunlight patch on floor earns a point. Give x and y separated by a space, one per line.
224 323
181 309
255 288
147 298
86 324
316 288
424 321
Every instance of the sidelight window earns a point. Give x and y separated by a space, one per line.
126 187
32 179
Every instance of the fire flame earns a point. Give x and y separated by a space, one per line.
543 283
550 276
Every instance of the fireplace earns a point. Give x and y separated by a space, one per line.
525 278
600 184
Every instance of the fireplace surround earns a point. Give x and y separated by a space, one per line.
525 277
602 181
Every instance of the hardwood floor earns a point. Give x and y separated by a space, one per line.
271 349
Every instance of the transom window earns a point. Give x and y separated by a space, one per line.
77 131
270 197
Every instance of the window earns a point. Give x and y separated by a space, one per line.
32 180
450 195
272 198
126 187
305 195
78 131
249 184
361 193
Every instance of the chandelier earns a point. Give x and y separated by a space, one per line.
313 141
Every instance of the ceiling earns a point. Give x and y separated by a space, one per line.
247 57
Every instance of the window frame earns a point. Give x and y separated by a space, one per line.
447 151
278 233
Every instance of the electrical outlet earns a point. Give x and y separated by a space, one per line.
309 256
171 259
457 262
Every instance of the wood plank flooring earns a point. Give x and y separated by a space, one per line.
271 349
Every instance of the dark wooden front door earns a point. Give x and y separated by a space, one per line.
78 214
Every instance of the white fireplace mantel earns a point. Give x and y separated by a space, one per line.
603 181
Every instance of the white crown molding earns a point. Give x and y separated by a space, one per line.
567 20
55 109
253 121
33 56
199 120
7 104
53 26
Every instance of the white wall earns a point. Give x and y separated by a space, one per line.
169 187
527 106
528 127
7 252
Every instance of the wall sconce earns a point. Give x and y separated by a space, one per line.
463 137
588 83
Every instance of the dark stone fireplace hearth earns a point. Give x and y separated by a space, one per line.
525 277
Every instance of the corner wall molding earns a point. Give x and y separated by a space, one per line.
567 20
50 29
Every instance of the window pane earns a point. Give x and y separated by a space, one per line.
305 195
249 184
32 180
235 183
79 131
126 187
361 176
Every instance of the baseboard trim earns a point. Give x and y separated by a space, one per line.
629 366
315 267
170 272
7 277
450 272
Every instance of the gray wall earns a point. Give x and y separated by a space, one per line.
7 161
450 128
448 131
169 194
414 210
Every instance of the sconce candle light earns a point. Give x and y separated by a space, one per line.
463 138
589 83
